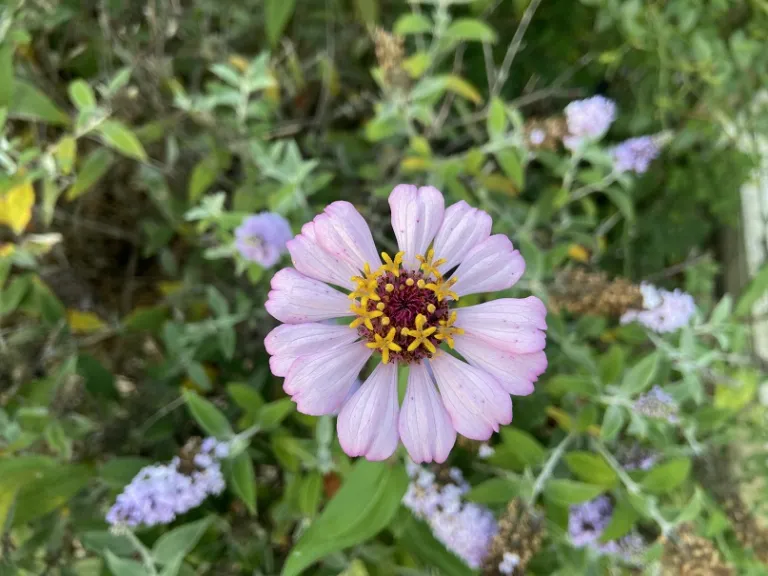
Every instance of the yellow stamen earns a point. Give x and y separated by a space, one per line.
421 283
421 335
389 287
385 344
385 321
442 289
409 282
366 286
429 265
380 306
364 316
431 308
447 330
390 265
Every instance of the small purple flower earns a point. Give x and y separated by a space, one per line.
586 523
657 404
635 154
664 311
509 562
160 492
262 238
466 529
588 119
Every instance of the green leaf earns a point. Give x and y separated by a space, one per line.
524 446
122 567
82 95
179 542
368 10
693 509
208 416
198 375
641 375
172 568
418 539
494 491
100 541
611 365
204 174
310 492
622 520
412 24
497 119
118 472
277 13
98 380
510 163
272 414
471 30
50 490
613 422
461 87
591 468
668 476
753 292
14 473
364 505
568 492
6 74
242 479
29 103
118 136
623 202
94 167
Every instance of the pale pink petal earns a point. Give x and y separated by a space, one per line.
367 423
344 234
352 391
319 383
515 372
490 266
510 324
416 218
312 260
462 229
425 426
289 341
296 299
475 401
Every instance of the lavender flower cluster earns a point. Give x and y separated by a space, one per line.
465 529
160 492
635 154
587 120
657 404
588 521
664 311
262 238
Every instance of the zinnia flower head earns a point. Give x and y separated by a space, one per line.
261 238
160 492
588 119
402 309
635 154
664 311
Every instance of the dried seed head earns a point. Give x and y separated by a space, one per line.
581 292
520 536
686 554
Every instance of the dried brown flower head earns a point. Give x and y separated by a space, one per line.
520 536
545 133
581 292
686 554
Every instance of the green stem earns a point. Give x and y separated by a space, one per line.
549 467
146 558
634 488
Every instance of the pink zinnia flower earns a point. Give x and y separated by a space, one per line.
401 309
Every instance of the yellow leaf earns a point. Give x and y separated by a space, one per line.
238 62
563 420
417 64
420 145
168 288
84 322
458 85
16 206
65 153
578 253
414 164
272 94
7 249
498 183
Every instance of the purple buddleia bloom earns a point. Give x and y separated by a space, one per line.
262 238
664 311
160 492
657 404
588 119
586 523
635 154
466 529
